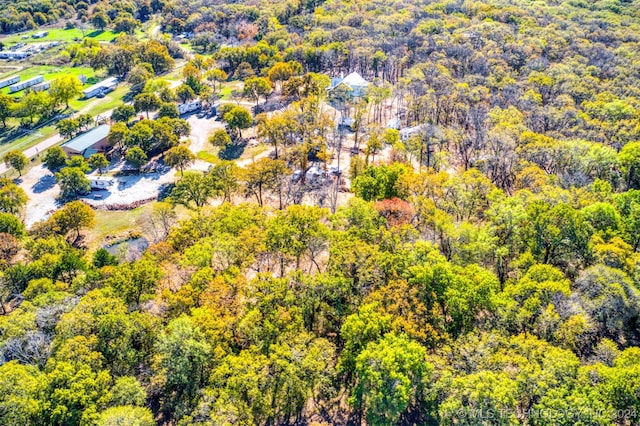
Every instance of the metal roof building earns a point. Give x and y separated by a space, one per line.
91 142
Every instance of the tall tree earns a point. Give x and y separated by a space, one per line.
179 157
74 216
146 102
16 160
65 88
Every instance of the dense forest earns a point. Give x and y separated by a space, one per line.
486 270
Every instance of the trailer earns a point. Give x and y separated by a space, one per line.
45 85
105 86
189 107
9 81
14 55
25 84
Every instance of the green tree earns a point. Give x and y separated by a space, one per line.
220 139
141 135
22 394
272 388
123 113
392 378
179 157
78 161
12 198
379 183
216 77
630 160
16 160
555 232
146 102
168 109
118 135
225 175
238 118
103 258
10 224
125 416
67 127
194 187
138 77
73 182
100 20
280 72
533 302
85 121
182 359
256 88
65 88
54 158
136 157
185 93
98 161
74 216
135 280
6 108
297 231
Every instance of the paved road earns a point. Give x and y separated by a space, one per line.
36 149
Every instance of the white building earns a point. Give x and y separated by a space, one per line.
25 84
353 81
13 55
105 86
9 81
41 86
407 132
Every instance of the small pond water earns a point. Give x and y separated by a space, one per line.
130 249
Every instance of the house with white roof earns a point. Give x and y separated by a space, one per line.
353 81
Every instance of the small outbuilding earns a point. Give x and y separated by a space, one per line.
88 143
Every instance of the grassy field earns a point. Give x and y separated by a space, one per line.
208 156
227 88
49 73
73 34
28 141
95 106
112 223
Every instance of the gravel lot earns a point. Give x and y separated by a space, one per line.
42 190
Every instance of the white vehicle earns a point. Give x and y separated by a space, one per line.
189 107
101 183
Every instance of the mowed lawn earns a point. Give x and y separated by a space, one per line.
49 72
61 34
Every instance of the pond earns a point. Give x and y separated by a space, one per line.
130 249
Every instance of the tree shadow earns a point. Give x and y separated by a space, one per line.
9 134
95 33
164 191
44 183
128 97
97 195
233 151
